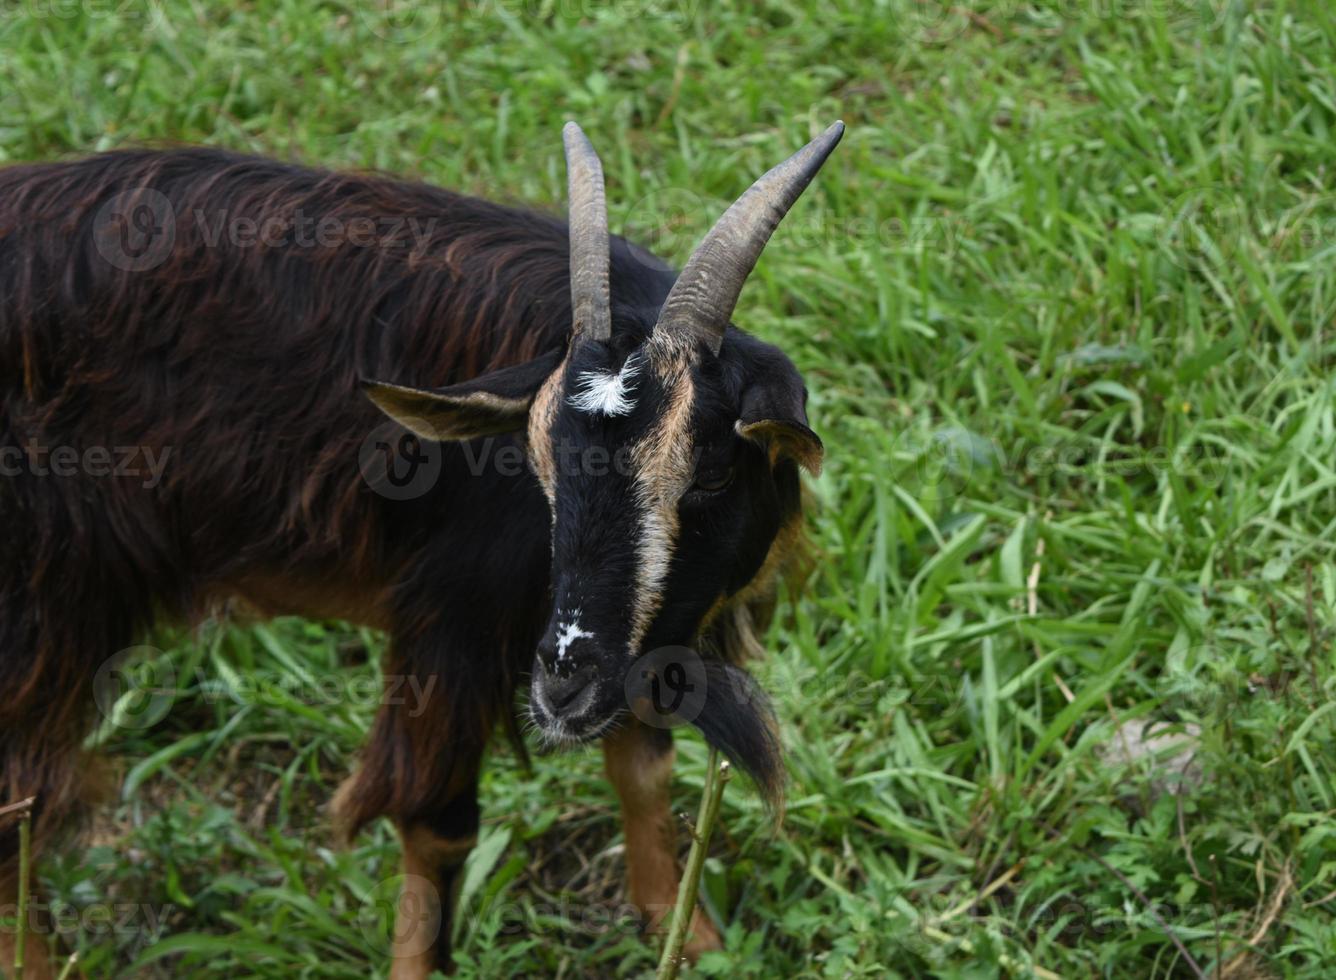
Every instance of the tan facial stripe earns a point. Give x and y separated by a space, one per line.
541 417
662 462
668 349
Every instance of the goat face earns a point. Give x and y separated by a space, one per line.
666 442
666 501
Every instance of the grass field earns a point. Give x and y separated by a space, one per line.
1064 298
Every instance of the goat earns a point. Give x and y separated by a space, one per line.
238 360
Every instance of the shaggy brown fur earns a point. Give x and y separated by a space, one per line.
239 360
226 357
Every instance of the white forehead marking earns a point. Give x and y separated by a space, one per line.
569 633
604 393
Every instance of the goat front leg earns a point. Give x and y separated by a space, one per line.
434 853
420 768
639 763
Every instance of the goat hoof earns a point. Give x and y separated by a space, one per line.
703 938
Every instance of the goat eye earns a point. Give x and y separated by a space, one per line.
713 480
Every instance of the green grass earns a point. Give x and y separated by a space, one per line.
1064 297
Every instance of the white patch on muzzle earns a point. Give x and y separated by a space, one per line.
568 633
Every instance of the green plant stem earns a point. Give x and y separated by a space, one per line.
25 859
716 776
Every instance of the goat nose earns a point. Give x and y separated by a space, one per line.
561 692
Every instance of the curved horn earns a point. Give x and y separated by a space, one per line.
590 306
702 299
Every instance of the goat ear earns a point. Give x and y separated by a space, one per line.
489 405
773 415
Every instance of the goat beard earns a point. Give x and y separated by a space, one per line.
738 720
